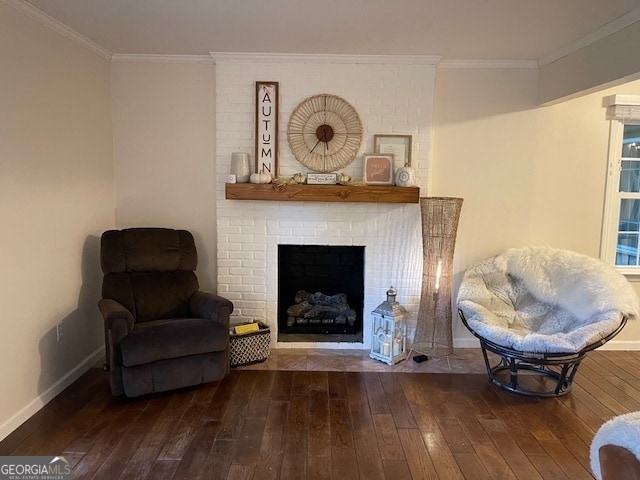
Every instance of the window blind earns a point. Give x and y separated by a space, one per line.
623 107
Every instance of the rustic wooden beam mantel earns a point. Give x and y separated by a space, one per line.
321 193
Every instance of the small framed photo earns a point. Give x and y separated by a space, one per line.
378 169
399 145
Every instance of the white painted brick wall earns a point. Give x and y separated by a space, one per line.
389 98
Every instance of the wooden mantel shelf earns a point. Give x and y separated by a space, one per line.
321 193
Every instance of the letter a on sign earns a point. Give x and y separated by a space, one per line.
267 127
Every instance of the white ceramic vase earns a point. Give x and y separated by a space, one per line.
240 166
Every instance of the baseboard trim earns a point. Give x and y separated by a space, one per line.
41 400
621 345
610 345
457 343
466 343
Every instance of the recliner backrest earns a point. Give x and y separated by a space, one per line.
150 271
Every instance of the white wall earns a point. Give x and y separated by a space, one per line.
163 137
529 175
56 197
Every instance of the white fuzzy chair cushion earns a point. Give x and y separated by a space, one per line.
623 431
545 300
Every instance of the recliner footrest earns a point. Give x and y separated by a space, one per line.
174 338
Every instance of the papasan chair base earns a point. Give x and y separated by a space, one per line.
530 373
539 311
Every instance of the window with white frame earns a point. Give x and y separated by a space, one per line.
621 227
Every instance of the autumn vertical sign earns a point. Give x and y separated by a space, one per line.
267 127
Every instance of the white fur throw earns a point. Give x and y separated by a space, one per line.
542 299
623 431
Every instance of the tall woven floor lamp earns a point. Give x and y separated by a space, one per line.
433 336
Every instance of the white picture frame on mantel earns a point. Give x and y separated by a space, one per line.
398 145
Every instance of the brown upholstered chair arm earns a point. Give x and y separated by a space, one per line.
618 463
112 311
211 306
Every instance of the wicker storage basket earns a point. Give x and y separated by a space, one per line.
250 348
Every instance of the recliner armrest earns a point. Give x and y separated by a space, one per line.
112 311
118 322
211 306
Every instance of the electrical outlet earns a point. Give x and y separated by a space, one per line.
59 332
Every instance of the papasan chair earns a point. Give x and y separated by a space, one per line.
540 310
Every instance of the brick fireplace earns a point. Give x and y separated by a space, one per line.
392 95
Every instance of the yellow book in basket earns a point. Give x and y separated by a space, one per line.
246 328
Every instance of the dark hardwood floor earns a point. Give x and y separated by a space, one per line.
267 424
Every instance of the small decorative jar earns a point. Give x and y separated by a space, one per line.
405 176
389 331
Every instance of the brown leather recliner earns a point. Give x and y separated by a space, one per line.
618 463
615 448
161 332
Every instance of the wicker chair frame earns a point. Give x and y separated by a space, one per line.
532 373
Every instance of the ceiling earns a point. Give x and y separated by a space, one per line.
453 29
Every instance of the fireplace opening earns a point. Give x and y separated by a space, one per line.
320 293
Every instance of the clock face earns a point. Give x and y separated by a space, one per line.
324 133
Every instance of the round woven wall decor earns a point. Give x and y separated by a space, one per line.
324 133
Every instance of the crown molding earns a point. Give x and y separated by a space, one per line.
610 28
240 57
524 64
143 58
58 27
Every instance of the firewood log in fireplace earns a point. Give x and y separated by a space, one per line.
320 309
